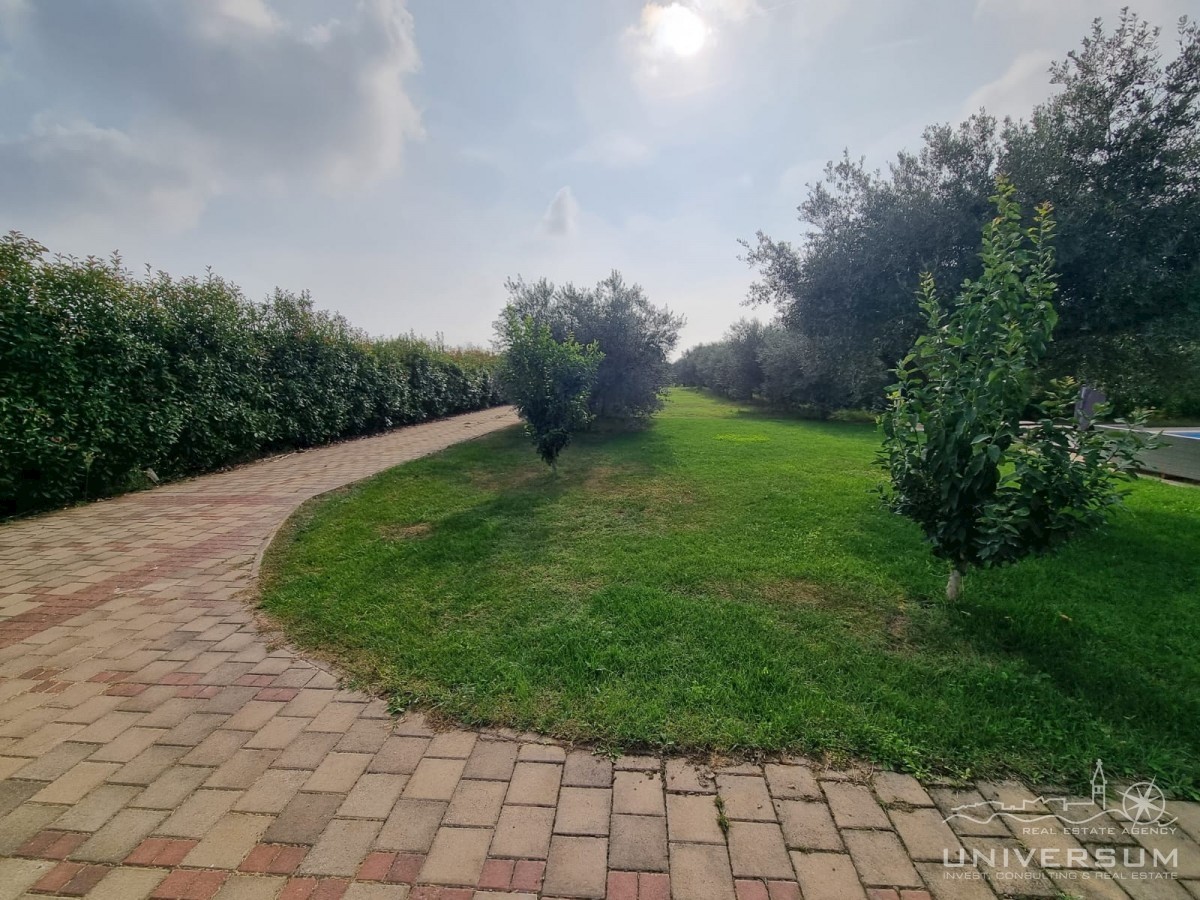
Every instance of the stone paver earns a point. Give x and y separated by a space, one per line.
154 745
523 831
577 867
880 859
583 811
457 856
756 850
534 784
638 843
638 793
792 782
701 871
694 819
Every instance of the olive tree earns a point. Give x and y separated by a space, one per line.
986 487
1116 149
548 381
635 336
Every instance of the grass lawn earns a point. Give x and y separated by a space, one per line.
727 580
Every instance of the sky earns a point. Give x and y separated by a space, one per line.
401 158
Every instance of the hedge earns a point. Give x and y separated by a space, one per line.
108 381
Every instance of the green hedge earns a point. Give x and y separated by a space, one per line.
104 375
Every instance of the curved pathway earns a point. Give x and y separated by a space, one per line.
154 744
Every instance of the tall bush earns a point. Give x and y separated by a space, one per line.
636 338
549 382
783 367
985 488
104 376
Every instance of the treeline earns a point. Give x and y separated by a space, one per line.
108 380
757 361
1116 151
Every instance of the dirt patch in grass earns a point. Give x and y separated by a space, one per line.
898 626
390 532
632 487
798 591
508 478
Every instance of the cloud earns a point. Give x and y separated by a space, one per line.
1024 84
244 13
616 150
562 215
727 10
76 170
146 101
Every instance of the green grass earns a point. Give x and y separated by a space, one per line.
726 579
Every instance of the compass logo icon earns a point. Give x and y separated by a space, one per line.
1143 803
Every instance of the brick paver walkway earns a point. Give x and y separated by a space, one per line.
154 744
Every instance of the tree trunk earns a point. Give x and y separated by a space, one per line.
954 585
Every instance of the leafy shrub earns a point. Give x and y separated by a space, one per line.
986 489
635 337
104 375
549 382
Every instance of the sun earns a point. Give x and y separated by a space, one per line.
680 31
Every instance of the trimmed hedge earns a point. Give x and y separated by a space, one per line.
104 375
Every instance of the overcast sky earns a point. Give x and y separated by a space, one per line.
401 159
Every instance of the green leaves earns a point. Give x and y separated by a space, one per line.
103 375
1116 147
987 487
549 381
635 337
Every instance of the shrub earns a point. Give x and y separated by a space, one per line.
104 375
549 382
985 489
635 337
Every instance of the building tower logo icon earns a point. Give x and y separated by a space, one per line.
1099 786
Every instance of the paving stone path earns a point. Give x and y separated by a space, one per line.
154 744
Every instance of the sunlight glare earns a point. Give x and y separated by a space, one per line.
680 31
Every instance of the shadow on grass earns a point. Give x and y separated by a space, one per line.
1112 643
1095 634
512 523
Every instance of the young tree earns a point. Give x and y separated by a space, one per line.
985 488
548 381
